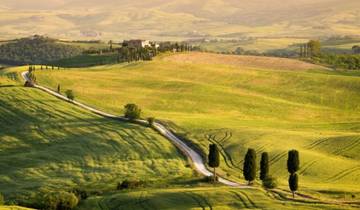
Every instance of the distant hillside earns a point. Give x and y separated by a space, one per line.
35 50
179 19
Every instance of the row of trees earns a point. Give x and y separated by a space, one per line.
250 167
312 50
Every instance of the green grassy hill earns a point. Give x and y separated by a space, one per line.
269 104
50 145
221 198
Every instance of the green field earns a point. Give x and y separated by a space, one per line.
50 145
220 198
240 105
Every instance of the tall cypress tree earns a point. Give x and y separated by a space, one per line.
214 158
293 165
264 165
250 166
293 183
293 161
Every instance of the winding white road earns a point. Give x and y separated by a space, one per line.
189 152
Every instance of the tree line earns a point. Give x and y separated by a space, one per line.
250 167
312 50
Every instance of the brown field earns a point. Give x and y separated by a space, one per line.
260 62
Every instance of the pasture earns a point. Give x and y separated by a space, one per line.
50 145
280 105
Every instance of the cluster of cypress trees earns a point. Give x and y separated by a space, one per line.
250 166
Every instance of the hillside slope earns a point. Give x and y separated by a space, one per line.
238 106
49 145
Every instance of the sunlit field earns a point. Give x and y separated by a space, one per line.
270 105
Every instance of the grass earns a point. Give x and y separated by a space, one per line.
87 60
198 198
239 106
48 145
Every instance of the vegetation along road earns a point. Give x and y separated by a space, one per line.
196 159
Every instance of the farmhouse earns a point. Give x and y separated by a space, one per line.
136 43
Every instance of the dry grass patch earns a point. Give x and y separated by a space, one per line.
243 61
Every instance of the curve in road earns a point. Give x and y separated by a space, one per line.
189 152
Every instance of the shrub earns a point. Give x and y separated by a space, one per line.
210 179
132 111
60 201
70 94
151 121
269 182
80 194
129 184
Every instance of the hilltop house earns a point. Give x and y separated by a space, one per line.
136 43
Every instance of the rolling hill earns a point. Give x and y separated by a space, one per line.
123 19
49 145
238 106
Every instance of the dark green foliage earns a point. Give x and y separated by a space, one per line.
209 179
70 94
80 194
269 182
59 201
264 165
293 162
293 183
130 184
314 48
132 111
35 50
87 60
151 121
343 61
214 158
249 170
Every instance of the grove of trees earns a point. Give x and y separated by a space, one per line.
35 50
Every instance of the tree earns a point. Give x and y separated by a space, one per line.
58 88
293 161
214 158
315 48
151 121
356 49
293 183
250 166
70 94
264 166
132 111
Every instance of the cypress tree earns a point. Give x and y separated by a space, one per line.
293 183
250 166
214 158
293 161
264 166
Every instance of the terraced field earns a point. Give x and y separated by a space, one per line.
50 145
240 105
